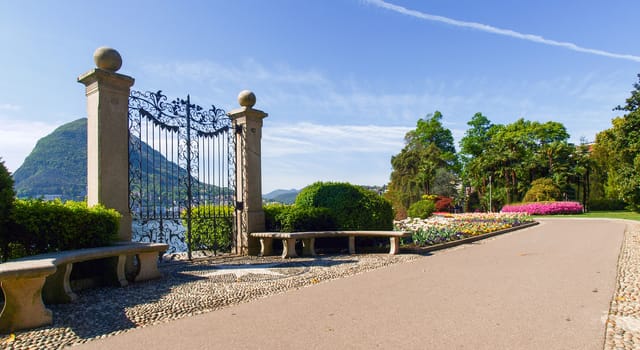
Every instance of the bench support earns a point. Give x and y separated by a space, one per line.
57 290
308 246
394 245
289 248
148 267
352 244
266 246
23 306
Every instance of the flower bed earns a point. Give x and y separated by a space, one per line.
450 227
545 208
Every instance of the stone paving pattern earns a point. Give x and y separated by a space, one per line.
623 324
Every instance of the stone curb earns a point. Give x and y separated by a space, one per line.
465 240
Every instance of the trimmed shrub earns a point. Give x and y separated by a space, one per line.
271 212
296 219
211 227
39 227
290 218
7 195
421 209
607 204
544 208
542 190
352 207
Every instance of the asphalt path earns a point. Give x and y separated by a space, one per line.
543 287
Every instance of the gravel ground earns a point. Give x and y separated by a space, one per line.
623 324
187 288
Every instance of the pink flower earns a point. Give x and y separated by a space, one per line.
544 208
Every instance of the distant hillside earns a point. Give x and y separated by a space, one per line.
282 196
57 166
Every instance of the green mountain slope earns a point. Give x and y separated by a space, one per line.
57 166
281 196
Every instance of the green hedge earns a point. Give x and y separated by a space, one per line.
421 209
606 204
211 227
291 218
7 195
271 212
352 207
38 227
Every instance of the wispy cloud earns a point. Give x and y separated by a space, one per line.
293 96
499 31
18 137
9 107
312 138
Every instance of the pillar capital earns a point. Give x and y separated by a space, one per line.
105 78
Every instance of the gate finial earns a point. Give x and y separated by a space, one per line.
107 58
246 98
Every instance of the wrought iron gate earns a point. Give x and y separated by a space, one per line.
181 173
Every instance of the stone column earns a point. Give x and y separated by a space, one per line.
248 125
108 136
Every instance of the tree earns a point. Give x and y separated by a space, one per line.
510 157
476 138
430 131
542 190
617 152
428 148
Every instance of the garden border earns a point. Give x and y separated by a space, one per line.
471 239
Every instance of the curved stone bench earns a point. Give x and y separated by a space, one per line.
308 240
28 281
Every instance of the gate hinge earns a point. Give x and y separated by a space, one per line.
239 129
239 205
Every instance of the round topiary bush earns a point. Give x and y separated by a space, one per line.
542 190
421 209
353 207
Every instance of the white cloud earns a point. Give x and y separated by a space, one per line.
9 107
499 31
19 137
310 138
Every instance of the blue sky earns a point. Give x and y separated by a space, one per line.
342 81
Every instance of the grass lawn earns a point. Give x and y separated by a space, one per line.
629 215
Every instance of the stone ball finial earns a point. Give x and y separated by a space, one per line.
107 58
246 98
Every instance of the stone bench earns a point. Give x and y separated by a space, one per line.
30 282
308 240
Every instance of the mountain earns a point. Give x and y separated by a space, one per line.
57 167
282 196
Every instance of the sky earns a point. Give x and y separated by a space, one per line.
341 80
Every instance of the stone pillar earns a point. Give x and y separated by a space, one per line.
108 136
248 125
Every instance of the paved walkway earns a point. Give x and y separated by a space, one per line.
545 287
